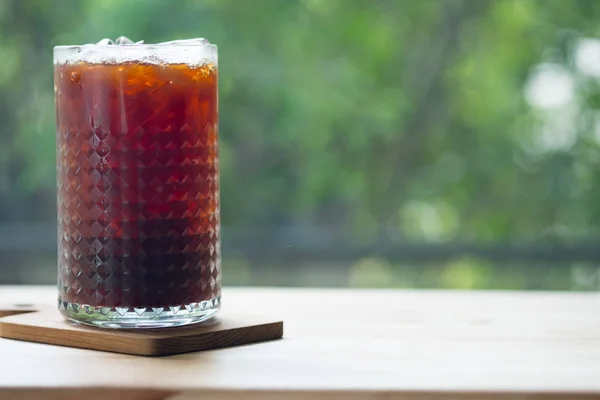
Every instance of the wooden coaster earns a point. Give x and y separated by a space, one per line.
46 325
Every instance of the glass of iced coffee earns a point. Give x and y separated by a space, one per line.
138 183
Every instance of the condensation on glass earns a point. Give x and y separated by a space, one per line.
138 184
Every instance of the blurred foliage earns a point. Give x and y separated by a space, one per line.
417 120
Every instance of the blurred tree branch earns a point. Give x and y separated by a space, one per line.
428 95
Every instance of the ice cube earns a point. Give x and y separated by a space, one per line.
187 41
105 41
123 40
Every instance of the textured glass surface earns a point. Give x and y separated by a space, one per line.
138 190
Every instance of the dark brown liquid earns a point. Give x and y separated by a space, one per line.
138 185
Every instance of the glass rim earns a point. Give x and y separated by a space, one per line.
168 53
144 46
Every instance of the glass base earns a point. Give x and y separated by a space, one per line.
144 317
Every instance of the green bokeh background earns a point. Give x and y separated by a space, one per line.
351 132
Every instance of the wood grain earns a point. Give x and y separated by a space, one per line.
96 393
356 344
93 393
48 326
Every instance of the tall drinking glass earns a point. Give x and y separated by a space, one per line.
138 184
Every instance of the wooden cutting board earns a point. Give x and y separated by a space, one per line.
46 325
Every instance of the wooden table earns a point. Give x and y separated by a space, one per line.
357 344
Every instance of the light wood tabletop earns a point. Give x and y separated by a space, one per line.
358 344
